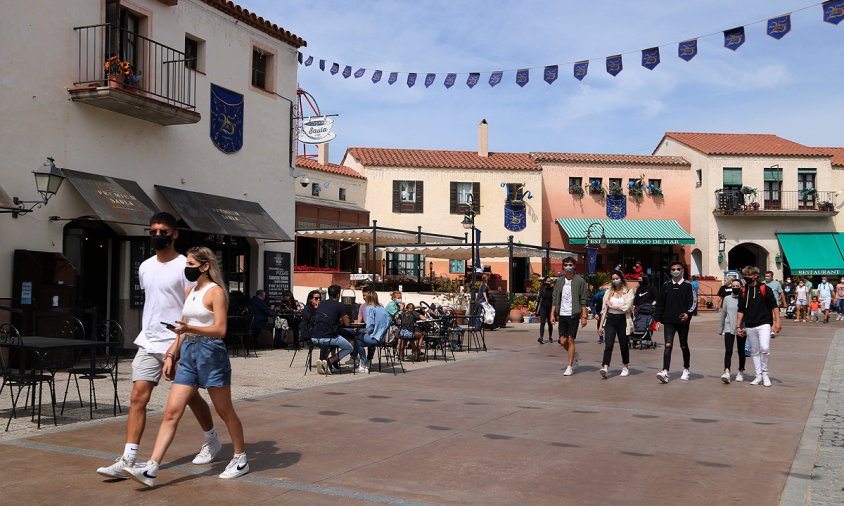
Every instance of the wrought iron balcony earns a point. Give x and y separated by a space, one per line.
733 202
130 74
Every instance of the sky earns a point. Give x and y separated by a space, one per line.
789 87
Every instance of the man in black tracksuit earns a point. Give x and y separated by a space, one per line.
674 308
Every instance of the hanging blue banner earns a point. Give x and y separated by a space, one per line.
394 76
449 80
359 73
650 58
411 79
429 80
614 65
550 73
347 71
335 68
299 58
515 216
322 65
687 49
522 77
734 38
591 261
616 206
476 255
309 61
473 79
580 69
833 11
495 78
778 27
376 76
226 119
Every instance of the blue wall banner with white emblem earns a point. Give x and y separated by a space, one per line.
394 76
580 69
550 74
495 78
591 261
429 80
449 80
309 61
347 71
226 119
515 216
335 68
376 76
616 206
411 79
650 58
734 38
359 73
614 65
522 77
322 65
778 27
687 49
473 79
299 57
833 11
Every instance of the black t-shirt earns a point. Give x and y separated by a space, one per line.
645 295
334 312
725 291
756 307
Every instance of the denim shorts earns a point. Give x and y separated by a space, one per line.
203 363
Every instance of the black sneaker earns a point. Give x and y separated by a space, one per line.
540 340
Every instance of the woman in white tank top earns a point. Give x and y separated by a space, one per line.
616 321
203 362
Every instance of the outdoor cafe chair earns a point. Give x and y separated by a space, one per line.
19 377
437 337
475 340
239 332
386 349
110 333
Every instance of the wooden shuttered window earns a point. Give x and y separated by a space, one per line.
455 207
416 195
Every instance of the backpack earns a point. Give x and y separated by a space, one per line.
762 287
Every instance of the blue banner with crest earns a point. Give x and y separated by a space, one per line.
833 11
299 57
359 73
687 49
734 38
616 206
550 74
779 27
515 216
376 76
522 77
473 79
429 80
449 80
226 119
335 68
591 261
650 58
309 61
322 65
580 69
347 71
495 78
394 76
614 65
411 79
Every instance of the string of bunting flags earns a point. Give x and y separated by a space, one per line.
776 27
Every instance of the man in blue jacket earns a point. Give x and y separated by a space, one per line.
674 309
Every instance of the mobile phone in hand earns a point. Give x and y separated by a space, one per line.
169 326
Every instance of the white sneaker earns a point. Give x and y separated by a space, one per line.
766 381
238 466
320 367
739 377
756 380
624 372
362 370
685 375
116 470
603 372
662 376
568 372
209 450
327 368
726 378
145 475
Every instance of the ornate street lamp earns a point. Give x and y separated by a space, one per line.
469 224
602 241
48 180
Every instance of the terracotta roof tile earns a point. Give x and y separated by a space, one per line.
255 21
742 144
310 163
607 158
441 159
837 155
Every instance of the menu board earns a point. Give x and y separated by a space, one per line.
139 251
276 274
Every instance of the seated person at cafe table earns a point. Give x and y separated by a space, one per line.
377 323
330 314
308 320
263 316
395 306
408 331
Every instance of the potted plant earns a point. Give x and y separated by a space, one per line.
119 71
576 190
452 293
654 191
595 187
748 190
616 190
519 302
634 189
826 205
807 193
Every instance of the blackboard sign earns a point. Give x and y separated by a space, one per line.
276 274
139 250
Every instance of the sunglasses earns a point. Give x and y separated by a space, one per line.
165 232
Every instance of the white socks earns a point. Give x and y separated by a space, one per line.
130 451
211 435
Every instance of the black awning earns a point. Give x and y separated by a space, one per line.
112 199
214 214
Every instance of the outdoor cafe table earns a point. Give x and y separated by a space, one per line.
41 346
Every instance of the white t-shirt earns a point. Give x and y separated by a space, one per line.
164 285
565 300
802 293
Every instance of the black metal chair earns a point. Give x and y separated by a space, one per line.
386 349
20 377
475 340
437 338
110 333
239 332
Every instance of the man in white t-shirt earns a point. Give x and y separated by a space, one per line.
163 280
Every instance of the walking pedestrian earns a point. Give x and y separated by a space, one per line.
162 277
674 309
825 291
802 302
727 327
758 315
839 299
617 321
543 309
571 296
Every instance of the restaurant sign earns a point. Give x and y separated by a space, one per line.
276 274
316 130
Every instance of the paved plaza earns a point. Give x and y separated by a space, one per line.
502 427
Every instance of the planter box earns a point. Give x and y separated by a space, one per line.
321 278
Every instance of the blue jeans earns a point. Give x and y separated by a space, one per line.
839 306
344 346
362 341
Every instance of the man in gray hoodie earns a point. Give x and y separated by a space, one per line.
570 301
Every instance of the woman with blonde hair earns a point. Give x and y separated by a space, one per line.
377 322
616 320
198 359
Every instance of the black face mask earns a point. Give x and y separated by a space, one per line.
160 242
749 281
192 273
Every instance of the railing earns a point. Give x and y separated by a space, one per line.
734 201
155 70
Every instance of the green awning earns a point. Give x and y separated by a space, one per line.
813 253
626 231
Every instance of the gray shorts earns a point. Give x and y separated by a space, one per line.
147 366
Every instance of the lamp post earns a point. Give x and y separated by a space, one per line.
48 180
602 243
469 224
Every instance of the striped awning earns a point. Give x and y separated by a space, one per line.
625 231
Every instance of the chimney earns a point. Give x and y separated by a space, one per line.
322 153
483 139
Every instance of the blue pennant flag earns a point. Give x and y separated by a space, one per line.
429 80
833 11
299 57
347 71
778 27
309 61
495 78
522 77
449 80
734 38
335 68
473 79
687 49
411 79
650 58
394 76
580 69
614 65
550 74
359 73
376 76
322 65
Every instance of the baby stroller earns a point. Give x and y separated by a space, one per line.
791 308
643 327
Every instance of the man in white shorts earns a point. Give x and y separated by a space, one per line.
825 291
163 280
